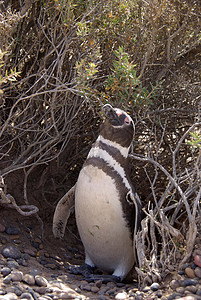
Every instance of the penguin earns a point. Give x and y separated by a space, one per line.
107 207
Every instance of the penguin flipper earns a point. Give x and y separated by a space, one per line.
133 196
62 213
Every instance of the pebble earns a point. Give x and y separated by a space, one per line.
94 289
159 293
121 296
26 296
198 272
102 297
98 283
197 260
155 286
187 282
7 279
111 292
180 290
29 279
174 296
41 281
11 252
191 288
30 252
12 264
174 284
2 228
3 240
40 289
199 291
16 276
67 294
22 262
190 272
9 296
5 271
187 298
12 230
146 289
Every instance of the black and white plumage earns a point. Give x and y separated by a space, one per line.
107 208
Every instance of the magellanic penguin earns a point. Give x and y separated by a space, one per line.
107 208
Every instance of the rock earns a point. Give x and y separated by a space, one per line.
3 240
197 260
146 289
159 293
190 272
187 298
5 271
22 262
191 288
102 297
111 285
138 297
7 279
16 276
181 272
26 296
11 252
174 296
198 272
174 284
12 230
180 290
18 291
155 286
86 287
197 251
111 292
2 291
41 281
25 256
12 264
9 296
29 279
67 294
199 291
30 252
40 289
98 283
121 296
187 282
184 266
94 289
2 228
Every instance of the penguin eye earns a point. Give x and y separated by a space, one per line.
126 121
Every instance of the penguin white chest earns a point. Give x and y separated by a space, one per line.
101 224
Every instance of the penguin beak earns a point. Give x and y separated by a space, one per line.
110 113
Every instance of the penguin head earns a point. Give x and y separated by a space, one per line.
118 126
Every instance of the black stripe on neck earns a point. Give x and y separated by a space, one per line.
112 151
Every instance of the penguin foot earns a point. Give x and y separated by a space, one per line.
104 278
84 270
